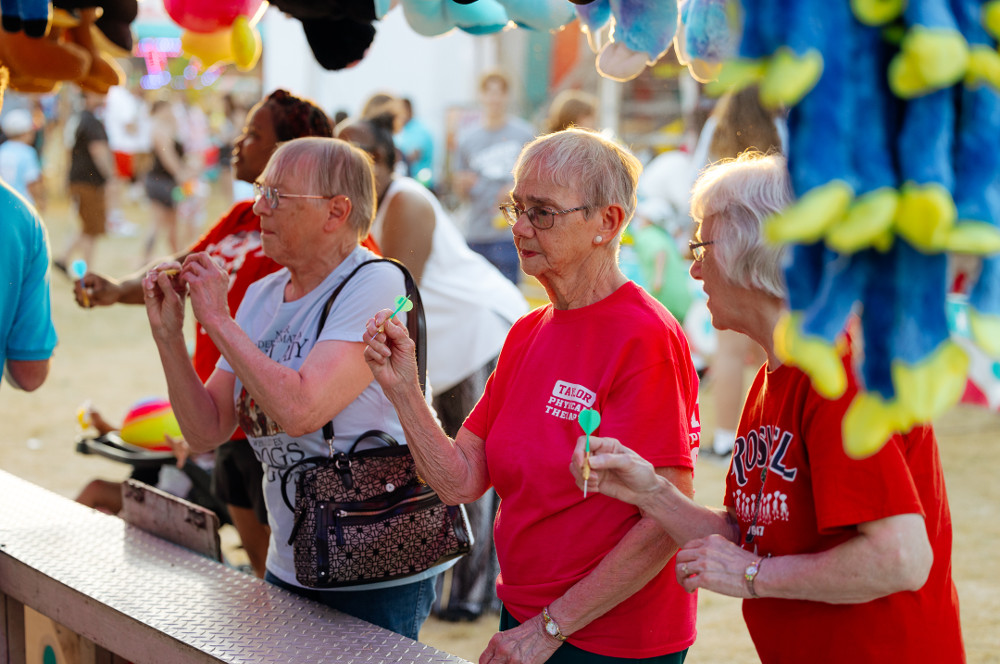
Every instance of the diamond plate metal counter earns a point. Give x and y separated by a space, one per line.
150 601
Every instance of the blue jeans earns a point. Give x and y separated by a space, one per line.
400 609
503 255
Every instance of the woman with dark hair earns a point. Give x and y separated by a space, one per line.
234 241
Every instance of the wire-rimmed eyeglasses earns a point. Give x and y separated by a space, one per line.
273 197
698 249
540 217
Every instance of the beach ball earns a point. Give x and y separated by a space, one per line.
148 422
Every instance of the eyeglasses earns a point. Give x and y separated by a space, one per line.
540 217
273 196
698 249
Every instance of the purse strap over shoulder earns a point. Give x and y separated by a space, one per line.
416 327
376 434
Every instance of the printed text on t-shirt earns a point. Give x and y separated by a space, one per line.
568 399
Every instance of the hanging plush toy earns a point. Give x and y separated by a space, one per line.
30 16
40 65
641 32
339 32
707 35
894 153
114 22
103 71
74 48
480 17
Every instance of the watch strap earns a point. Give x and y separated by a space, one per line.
750 574
551 626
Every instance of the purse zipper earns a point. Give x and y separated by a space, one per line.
322 540
342 517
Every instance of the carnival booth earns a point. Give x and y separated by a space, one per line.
893 113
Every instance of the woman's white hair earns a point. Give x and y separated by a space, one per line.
743 193
603 171
333 167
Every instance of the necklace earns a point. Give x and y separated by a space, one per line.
750 536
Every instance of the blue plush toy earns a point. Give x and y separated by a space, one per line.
708 34
894 153
642 32
31 16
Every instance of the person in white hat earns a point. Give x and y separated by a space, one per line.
19 164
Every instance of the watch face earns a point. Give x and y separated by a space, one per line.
551 628
751 571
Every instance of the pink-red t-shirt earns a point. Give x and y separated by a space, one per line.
813 498
627 358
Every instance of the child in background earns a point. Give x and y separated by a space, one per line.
19 164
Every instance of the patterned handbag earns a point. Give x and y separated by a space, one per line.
365 516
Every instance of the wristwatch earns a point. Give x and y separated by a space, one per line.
750 573
551 626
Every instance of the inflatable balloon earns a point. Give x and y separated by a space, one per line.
148 422
209 47
238 43
202 16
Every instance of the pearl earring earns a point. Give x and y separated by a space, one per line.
598 239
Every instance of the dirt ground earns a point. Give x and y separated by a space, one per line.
108 357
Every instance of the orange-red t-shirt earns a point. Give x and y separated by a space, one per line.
813 497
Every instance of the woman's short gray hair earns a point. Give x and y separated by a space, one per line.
744 192
604 172
332 167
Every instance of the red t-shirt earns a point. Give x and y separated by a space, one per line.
627 358
814 496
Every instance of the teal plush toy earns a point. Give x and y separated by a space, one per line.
539 14
481 17
436 17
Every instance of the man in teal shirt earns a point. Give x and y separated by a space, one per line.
27 336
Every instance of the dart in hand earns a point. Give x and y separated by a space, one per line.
403 303
589 420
